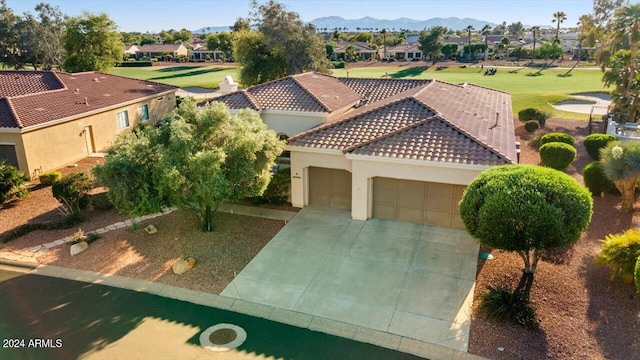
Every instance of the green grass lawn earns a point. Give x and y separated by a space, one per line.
529 87
182 76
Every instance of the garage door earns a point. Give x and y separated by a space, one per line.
330 187
417 201
8 154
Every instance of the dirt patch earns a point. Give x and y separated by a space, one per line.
582 314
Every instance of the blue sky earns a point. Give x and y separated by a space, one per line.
155 15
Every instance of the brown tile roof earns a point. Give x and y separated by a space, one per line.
159 48
239 100
466 124
81 93
307 92
365 127
373 90
16 83
431 140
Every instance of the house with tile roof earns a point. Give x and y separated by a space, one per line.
51 119
363 51
160 50
397 149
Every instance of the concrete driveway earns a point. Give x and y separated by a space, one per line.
406 279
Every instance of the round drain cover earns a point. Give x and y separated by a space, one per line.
223 337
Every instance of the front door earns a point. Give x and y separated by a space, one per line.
88 137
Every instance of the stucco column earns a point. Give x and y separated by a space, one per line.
360 188
299 177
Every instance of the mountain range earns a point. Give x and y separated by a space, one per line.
333 22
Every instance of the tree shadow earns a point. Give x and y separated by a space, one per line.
409 72
90 317
176 68
188 73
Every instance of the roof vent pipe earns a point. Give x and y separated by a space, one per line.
86 101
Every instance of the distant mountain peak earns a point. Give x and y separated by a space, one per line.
454 23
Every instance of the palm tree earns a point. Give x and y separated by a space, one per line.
534 30
627 25
485 32
558 17
384 41
469 28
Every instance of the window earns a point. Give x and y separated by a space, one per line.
143 112
410 55
123 120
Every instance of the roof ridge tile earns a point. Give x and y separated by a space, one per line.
16 118
309 92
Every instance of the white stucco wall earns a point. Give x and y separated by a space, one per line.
292 123
301 160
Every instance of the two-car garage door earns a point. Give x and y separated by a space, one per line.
417 201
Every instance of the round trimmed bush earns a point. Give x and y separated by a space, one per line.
595 179
557 137
557 155
50 177
594 142
531 126
528 114
637 275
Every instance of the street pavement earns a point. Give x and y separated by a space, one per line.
43 317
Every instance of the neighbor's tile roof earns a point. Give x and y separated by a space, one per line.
239 100
307 92
151 48
16 83
373 90
78 94
453 123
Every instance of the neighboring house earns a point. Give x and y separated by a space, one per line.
386 148
51 119
363 51
406 52
201 52
155 50
131 50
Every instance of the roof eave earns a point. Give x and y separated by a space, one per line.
373 158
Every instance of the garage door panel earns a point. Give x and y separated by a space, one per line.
440 189
413 215
320 198
418 202
439 203
384 197
381 211
411 200
437 218
320 180
341 201
386 184
341 182
330 187
417 187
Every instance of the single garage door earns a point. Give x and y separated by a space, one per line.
330 187
418 202
8 154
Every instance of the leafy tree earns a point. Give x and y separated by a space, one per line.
469 29
198 158
11 183
166 36
430 44
148 40
8 35
91 43
449 50
383 32
289 39
241 24
330 47
536 32
183 35
485 31
549 50
621 161
558 17
515 28
259 64
51 26
350 53
525 209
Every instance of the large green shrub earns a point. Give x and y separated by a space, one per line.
528 114
620 252
71 190
12 182
50 177
557 137
557 155
637 275
595 179
531 126
278 190
594 142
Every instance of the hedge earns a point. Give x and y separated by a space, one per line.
594 142
557 137
50 177
557 155
133 64
527 114
531 126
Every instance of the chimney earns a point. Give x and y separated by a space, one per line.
86 101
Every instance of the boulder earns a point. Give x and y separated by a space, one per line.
181 266
78 248
150 229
